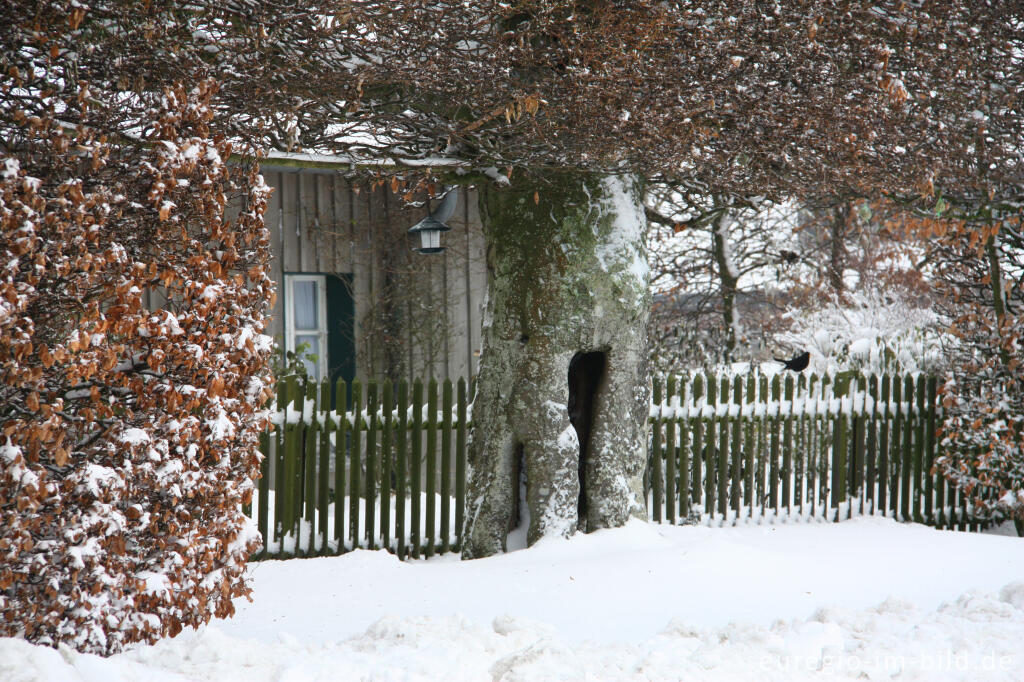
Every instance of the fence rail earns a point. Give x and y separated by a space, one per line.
383 465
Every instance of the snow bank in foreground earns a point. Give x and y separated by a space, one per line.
863 599
976 637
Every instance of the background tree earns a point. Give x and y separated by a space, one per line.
723 270
748 281
128 435
557 108
862 300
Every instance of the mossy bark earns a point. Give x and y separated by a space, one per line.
567 274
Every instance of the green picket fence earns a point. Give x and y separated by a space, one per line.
354 466
729 448
383 465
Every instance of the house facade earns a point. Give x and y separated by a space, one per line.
354 295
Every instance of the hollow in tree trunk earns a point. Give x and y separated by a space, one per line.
562 397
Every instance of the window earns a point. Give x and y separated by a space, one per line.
319 317
306 325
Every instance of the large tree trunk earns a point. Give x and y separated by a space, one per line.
561 405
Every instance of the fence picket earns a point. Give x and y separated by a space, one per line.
293 443
460 463
807 454
282 482
826 442
814 479
446 466
871 447
277 466
697 428
748 446
370 496
906 452
355 463
431 468
370 479
656 487
309 471
386 462
762 445
952 500
709 454
859 436
322 469
896 438
787 449
340 457
884 497
670 452
263 489
774 475
415 464
942 487
684 456
918 482
736 447
722 468
839 464
931 391
401 467
800 447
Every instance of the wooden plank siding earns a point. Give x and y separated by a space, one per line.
415 315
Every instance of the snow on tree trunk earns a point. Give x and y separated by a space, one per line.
564 361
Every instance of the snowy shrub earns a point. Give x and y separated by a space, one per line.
984 441
983 430
128 434
874 331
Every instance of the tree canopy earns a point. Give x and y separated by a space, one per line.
745 97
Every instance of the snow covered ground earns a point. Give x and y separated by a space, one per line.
863 599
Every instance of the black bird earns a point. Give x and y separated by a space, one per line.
789 257
797 363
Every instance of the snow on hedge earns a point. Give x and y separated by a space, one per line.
129 435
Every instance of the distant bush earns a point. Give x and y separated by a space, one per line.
874 331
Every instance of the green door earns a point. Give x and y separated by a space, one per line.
341 347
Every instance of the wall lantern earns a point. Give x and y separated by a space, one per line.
430 228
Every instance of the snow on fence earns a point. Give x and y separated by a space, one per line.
391 474
751 446
724 449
